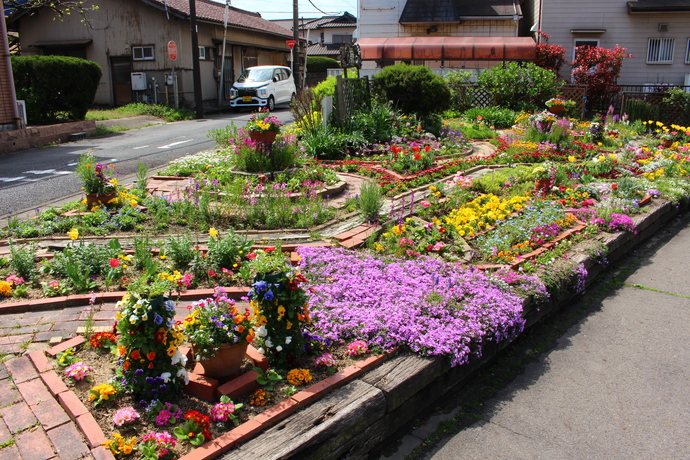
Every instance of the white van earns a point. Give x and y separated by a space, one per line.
263 86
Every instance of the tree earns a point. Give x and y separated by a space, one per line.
598 68
550 57
61 7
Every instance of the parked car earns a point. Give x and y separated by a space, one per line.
263 86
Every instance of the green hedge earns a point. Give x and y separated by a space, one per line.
321 63
413 89
55 88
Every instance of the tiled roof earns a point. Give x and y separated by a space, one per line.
215 12
344 20
323 50
416 11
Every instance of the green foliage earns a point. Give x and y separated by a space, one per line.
222 135
370 201
499 118
413 89
55 88
138 108
331 144
461 95
23 261
321 63
518 86
181 251
375 123
325 88
638 109
267 379
680 99
226 251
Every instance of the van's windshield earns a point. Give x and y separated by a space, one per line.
250 75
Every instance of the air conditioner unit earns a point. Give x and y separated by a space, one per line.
21 109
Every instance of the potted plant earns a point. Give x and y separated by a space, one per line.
98 182
556 104
279 305
545 175
667 138
219 332
263 127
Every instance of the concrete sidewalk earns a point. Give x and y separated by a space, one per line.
613 386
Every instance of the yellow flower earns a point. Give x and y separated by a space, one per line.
571 159
213 232
163 256
73 234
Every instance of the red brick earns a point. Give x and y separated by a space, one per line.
240 386
343 376
34 391
54 383
9 453
21 369
350 233
196 294
72 405
78 299
201 387
312 393
71 343
275 414
8 395
34 445
20 338
240 434
260 360
40 361
352 243
207 451
368 232
370 362
101 453
50 413
92 431
67 442
294 259
5 434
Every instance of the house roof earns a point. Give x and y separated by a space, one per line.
215 12
447 48
659 6
318 49
344 20
417 11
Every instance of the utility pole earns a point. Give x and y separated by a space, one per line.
221 85
196 71
295 37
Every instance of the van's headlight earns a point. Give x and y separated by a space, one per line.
263 92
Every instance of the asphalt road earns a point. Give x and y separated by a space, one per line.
31 178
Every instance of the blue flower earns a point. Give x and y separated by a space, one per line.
260 286
269 295
158 319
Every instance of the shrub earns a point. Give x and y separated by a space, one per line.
551 57
680 99
519 86
376 123
325 88
321 63
55 88
497 117
461 96
413 89
638 109
598 68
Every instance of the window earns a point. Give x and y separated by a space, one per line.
584 42
687 52
337 39
202 53
660 50
206 53
143 53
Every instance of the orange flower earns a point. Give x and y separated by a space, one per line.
151 356
126 365
239 319
136 355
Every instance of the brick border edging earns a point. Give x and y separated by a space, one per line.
82 417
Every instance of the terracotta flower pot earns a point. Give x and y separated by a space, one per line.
556 109
667 142
226 362
93 199
265 137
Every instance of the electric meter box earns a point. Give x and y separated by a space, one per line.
138 81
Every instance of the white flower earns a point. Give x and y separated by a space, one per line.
261 331
261 350
133 319
279 348
166 376
268 343
179 358
183 373
288 339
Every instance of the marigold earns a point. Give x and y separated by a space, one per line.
297 377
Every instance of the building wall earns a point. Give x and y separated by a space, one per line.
631 31
117 26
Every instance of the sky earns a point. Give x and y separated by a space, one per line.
282 9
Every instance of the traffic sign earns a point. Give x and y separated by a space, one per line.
290 43
172 50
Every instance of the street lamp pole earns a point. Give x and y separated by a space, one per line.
295 37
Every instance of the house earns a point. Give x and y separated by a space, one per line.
655 32
144 46
442 34
324 35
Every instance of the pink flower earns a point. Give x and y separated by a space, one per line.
124 416
426 204
326 360
77 370
357 348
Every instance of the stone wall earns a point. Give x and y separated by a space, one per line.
37 136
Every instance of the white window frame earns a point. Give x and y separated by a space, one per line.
142 49
202 53
655 51
687 52
575 43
